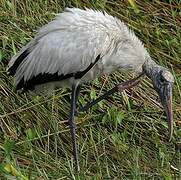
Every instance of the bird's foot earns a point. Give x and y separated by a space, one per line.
129 84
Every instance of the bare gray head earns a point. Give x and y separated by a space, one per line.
163 83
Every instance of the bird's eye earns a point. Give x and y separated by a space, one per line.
162 79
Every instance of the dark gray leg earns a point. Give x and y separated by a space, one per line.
76 100
72 124
120 87
77 95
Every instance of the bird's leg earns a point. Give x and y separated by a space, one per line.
76 100
72 124
120 87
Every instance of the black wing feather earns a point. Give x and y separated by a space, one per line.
46 77
18 61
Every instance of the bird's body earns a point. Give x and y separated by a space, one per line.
72 42
80 45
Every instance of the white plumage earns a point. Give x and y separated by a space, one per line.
72 41
80 45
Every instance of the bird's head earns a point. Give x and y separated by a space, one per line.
163 83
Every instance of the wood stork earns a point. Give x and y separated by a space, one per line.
80 45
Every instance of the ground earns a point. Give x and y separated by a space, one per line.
124 136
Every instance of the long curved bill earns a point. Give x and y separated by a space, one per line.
166 100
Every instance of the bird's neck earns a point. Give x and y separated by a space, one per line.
150 68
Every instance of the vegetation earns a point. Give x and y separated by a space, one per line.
123 137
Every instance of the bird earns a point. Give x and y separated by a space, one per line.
79 45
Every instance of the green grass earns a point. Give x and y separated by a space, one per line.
123 137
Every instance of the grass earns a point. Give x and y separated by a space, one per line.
123 137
